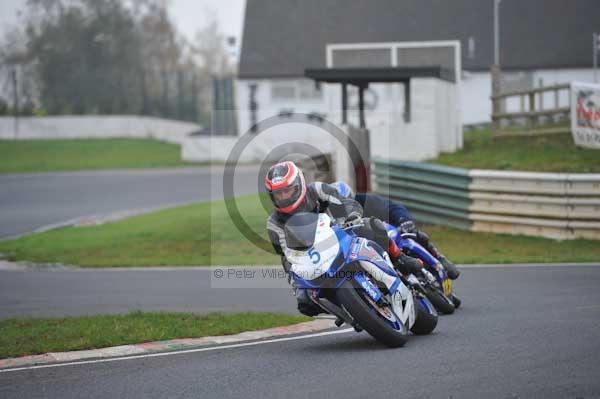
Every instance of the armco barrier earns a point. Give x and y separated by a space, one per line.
555 205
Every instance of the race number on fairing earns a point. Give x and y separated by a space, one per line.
316 260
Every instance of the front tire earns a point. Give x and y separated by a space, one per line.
456 301
425 322
439 302
366 317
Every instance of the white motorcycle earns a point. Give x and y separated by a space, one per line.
352 278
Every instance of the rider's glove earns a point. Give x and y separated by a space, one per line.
408 227
430 277
353 219
411 265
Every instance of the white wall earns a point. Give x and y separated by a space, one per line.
475 96
475 100
477 89
558 76
435 125
293 135
448 116
267 105
113 126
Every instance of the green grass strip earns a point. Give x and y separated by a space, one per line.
86 154
543 153
476 247
31 336
204 234
201 234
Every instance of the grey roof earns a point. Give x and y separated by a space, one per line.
284 37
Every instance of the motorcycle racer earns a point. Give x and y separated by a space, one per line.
397 215
290 194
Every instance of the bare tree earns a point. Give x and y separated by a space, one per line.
104 56
210 50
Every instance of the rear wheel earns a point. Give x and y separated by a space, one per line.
439 302
425 322
369 318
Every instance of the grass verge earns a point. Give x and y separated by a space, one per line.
29 336
86 154
201 234
204 234
544 153
476 247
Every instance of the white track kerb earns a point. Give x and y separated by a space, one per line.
307 330
180 352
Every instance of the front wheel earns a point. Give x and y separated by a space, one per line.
439 302
369 318
425 322
456 301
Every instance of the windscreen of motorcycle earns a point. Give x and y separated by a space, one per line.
313 262
300 230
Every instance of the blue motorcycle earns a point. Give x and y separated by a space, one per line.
438 287
352 278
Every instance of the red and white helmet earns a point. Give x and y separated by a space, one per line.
286 186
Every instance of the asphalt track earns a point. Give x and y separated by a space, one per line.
73 292
523 332
32 201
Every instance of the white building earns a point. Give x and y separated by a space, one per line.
541 42
411 109
415 117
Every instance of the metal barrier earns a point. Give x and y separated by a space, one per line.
433 194
555 205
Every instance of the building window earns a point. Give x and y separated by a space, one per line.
292 90
283 90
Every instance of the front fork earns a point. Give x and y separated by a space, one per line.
419 293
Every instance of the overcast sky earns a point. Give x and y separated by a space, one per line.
188 15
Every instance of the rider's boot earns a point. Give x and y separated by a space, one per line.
402 262
396 256
450 267
423 239
305 305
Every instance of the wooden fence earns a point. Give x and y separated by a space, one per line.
535 116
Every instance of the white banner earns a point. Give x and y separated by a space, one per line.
585 114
